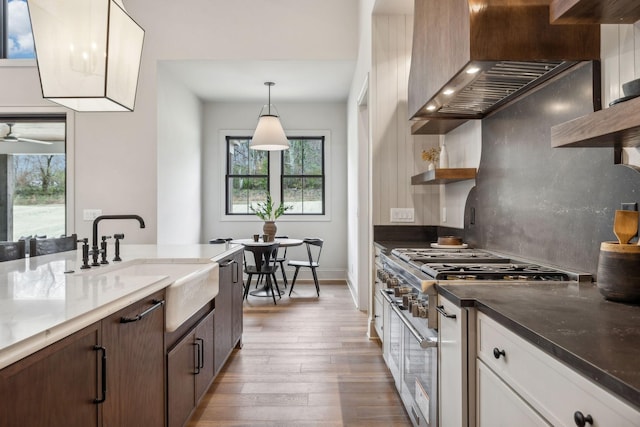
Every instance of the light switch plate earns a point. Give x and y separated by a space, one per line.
91 214
402 215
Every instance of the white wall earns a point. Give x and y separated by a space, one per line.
117 153
179 162
297 119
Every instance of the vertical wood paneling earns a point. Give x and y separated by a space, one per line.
396 153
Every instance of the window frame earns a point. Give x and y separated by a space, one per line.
323 176
228 176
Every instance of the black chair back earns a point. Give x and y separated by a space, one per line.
264 257
314 249
53 245
12 250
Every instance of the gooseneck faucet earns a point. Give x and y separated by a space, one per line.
95 252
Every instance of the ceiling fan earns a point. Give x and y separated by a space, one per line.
14 137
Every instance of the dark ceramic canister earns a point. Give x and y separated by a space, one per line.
619 272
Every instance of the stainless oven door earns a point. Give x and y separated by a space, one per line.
392 342
420 374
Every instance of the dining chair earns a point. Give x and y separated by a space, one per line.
12 250
314 249
264 266
52 245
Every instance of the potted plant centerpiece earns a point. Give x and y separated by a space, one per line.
267 212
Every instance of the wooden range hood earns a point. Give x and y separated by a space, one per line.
471 57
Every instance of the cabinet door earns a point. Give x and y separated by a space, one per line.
181 362
452 364
499 406
205 369
223 313
237 301
56 386
134 339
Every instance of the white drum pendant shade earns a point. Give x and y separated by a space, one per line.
88 53
269 135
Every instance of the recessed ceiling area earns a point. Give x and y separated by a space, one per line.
243 80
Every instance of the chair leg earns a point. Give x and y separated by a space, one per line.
293 282
284 275
273 294
275 281
315 280
247 287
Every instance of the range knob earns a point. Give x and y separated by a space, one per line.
393 282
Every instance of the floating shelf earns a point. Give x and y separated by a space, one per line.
443 176
616 126
594 11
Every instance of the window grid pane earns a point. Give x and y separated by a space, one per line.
19 37
247 176
303 181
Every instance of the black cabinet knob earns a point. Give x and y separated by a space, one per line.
581 420
497 353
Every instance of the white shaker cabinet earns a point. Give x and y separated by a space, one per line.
452 364
560 395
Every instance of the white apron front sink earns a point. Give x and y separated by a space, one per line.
194 282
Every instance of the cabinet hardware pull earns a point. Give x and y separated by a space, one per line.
157 304
581 420
227 263
440 309
497 353
201 356
104 374
197 356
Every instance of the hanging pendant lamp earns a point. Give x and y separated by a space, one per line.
269 135
88 53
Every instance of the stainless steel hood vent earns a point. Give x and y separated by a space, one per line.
495 84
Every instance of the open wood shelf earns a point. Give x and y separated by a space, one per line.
594 11
443 176
616 126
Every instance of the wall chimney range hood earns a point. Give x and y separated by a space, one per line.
470 57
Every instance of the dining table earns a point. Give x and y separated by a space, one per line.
265 291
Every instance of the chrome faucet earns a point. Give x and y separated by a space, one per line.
95 252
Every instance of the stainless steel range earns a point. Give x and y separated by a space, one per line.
407 279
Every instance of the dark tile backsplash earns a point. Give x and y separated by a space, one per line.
551 205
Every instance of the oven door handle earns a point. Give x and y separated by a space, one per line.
429 342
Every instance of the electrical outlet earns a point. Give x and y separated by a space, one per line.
444 214
91 214
402 215
633 206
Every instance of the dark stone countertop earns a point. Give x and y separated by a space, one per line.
570 321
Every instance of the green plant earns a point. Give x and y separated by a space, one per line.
267 211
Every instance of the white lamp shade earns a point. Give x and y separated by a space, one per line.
88 53
269 135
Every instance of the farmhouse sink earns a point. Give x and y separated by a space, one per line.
194 282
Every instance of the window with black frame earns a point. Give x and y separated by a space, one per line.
303 176
247 177
16 38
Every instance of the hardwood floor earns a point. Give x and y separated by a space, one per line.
304 362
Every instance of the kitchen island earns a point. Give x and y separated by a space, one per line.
63 325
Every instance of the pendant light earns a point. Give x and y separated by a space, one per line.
269 135
88 53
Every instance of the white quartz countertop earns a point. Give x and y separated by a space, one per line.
44 299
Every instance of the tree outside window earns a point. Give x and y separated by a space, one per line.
247 176
303 180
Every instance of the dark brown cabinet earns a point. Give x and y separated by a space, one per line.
55 386
108 374
134 339
190 370
228 303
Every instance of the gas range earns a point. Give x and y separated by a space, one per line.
475 264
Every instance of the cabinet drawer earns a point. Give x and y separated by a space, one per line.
549 386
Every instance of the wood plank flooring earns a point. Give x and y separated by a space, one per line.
305 362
